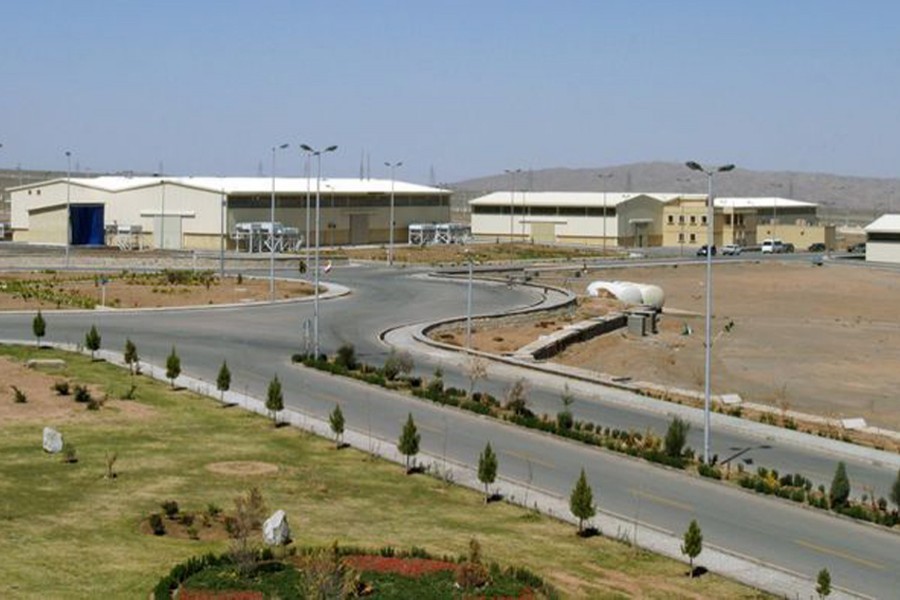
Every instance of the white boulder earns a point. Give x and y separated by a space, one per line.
53 441
276 531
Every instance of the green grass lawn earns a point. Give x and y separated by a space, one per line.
67 532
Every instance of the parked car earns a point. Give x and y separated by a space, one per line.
701 251
817 247
859 248
731 249
787 247
770 246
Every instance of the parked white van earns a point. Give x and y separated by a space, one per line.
772 246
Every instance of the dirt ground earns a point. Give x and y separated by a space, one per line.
450 254
139 292
822 340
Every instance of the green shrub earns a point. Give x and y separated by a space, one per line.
20 396
82 394
170 507
709 471
157 525
61 388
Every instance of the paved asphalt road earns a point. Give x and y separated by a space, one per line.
257 342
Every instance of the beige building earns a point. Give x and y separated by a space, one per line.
744 221
616 219
197 212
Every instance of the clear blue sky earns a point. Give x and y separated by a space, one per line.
469 87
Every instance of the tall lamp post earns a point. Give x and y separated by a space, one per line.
392 167
469 303
68 204
707 355
272 227
308 166
512 201
602 177
318 154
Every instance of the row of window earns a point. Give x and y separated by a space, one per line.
681 221
547 211
378 201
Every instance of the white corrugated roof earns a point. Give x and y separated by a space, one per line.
563 198
884 224
255 185
723 202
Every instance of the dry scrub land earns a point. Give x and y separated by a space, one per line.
49 290
70 532
822 340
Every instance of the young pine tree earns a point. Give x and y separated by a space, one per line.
275 399
487 469
92 340
131 356
840 487
39 327
581 501
823 584
693 543
409 441
336 420
223 380
173 367
895 491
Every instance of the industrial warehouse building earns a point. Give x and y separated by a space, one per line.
883 239
617 219
197 212
635 220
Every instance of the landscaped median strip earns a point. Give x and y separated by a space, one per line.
744 569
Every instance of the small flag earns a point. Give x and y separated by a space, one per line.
327 268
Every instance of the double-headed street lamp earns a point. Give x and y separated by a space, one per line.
710 174
68 203
272 226
318 154
512 201
601 177
392 167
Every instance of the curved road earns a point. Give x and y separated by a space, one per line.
257 342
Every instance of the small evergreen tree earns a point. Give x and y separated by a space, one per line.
409 441
564 418
895 490
173 367
39 327
346 357
823 584
840 487
336 420
581 501
693 543
676 437
275 399
487 469
397 363
92 340
476 369
223 380
131 356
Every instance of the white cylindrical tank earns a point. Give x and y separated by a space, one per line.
630 293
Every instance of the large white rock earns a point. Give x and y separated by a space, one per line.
53 442
276 531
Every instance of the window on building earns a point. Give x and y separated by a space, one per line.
693 220
703 219
671 219
728 219
681 219
693 238
681 238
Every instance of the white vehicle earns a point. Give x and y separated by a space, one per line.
772 246
731 249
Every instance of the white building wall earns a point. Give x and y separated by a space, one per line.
888 252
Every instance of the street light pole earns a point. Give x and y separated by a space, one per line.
393 167
601 177
308 198
68 204
512 201
469 304
707 354
272 228
318 155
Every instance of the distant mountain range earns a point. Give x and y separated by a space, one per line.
837 194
